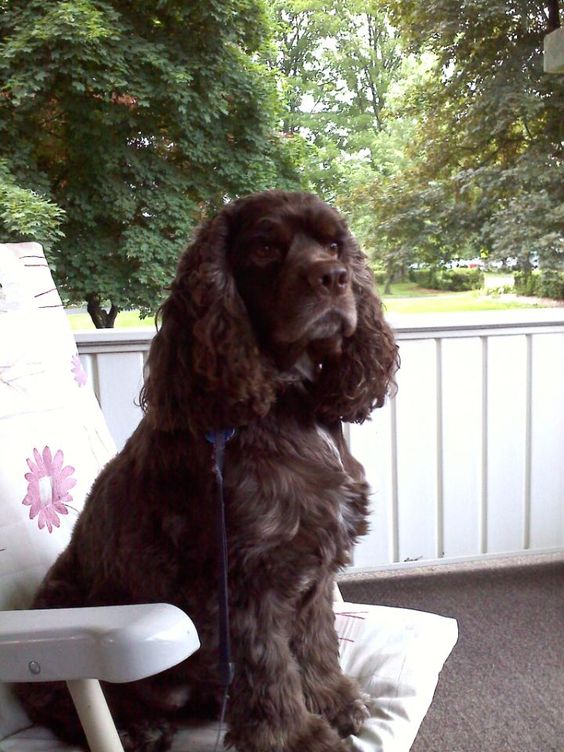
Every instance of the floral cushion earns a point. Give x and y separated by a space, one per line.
53 437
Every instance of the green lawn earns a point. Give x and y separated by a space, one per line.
405 297
449 302
125 320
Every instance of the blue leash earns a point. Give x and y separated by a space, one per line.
218 439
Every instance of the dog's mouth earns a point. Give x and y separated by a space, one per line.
334 323
320 350
317 341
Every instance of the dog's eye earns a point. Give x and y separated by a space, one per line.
264 252
334 247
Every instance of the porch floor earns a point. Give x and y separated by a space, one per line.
502 689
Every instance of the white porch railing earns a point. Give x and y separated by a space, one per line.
467 460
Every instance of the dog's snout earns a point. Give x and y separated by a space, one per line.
328 277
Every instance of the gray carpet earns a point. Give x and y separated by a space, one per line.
502 689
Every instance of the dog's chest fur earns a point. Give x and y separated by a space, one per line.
295 494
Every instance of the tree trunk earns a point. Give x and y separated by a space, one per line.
102 319
390 273
553 16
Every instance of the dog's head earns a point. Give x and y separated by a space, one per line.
291 257
272 290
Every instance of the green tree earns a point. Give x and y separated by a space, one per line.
339 59
134 119
25 214
485 170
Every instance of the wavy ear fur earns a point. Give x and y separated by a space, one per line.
204 369
350 387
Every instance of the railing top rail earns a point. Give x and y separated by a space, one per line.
477 323
421 326
108 340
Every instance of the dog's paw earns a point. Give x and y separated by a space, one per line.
147 736
350 718
314 734
318 736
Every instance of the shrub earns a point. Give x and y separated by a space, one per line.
525 283
552 284
454 280
458 280
380 276
542 283
496 292
423 277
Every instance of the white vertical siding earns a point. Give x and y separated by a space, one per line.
373 445
547 442
417 451
462 421
120 378
506 442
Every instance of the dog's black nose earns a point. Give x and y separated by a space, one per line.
328 277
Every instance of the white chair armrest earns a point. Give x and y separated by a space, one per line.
109 643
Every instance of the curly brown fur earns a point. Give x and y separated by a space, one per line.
273 327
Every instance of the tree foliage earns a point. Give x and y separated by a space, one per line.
26 214
124 123
431 125
338 60
486 164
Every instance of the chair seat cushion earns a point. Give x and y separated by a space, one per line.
395 654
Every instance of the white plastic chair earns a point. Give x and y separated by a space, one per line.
49 418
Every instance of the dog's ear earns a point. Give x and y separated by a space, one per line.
351 386
204 369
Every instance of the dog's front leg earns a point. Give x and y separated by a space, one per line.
267 710
315 646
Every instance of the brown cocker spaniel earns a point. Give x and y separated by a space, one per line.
273 328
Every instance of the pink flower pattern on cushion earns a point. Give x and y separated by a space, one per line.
78 371
48 486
